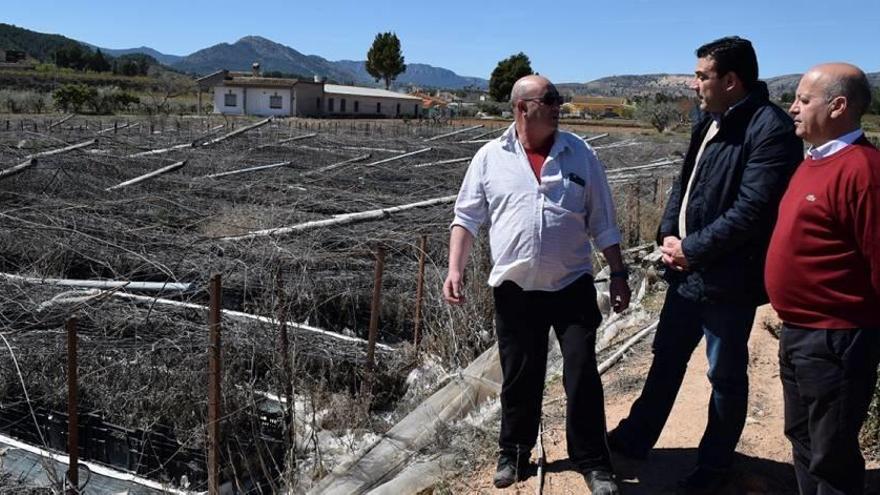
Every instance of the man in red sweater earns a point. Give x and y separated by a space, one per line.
823 278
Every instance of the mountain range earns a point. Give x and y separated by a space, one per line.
239 56
275 57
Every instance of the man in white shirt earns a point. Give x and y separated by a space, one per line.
545 196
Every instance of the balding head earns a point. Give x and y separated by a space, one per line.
532 86
846 80
829 103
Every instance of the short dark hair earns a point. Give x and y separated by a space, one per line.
855 89
733 53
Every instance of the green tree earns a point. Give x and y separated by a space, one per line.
71 55
384 59
662 115
97 62
506 73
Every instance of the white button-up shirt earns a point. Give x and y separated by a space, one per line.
835 145
539 233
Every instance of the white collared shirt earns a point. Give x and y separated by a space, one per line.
835 145
539 233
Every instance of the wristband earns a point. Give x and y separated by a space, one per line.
619 274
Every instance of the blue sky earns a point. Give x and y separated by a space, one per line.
568 41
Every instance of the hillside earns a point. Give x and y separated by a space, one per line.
40 46
788 83
162 58
417 74
631 85
673 85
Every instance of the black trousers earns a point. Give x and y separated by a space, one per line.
828 378
523 321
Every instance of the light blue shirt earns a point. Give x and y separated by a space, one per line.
539 233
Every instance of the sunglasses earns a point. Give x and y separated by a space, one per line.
549 99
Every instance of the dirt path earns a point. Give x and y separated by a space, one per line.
764 463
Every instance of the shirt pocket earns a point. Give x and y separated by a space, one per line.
573 193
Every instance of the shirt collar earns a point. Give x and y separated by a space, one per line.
835 145
511 143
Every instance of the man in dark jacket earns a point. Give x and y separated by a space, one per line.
713 237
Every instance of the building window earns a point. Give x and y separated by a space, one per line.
416 110
275 101
342 105
329 104
379 107
356 106
230 99
318 101
398 109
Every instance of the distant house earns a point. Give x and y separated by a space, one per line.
237 93
601 105
14 59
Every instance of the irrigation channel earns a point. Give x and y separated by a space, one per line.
314 250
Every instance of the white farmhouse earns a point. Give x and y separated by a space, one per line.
237 93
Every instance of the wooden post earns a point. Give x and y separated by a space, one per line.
420 284
214 386
72 418
662 196
286 371
638 233
375 308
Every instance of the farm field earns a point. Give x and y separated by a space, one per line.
292 214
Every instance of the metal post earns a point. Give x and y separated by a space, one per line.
72 418
214 386
420 285
375 308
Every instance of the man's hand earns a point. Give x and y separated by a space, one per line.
453 288
673 256
620 293
460 243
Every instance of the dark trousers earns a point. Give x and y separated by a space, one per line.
682 324
828 378
523 321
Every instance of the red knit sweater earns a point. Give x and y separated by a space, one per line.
823 263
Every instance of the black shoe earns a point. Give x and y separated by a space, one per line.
627 449
703 481
509 471
601 482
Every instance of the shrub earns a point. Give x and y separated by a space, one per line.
72 97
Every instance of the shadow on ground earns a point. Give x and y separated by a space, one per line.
660 473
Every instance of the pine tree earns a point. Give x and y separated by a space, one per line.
385 60
506 73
